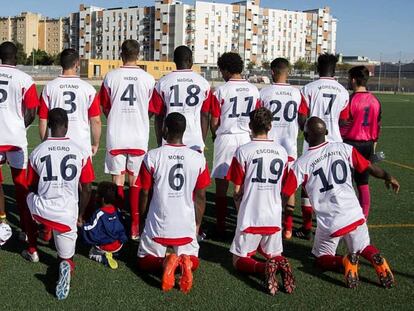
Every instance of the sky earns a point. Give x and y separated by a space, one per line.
373 28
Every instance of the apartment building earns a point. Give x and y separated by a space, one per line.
35 32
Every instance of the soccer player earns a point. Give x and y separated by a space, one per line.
188 93
257 171
178 177
363 128
104 231
325 172
283 100
18 104
327 99
125 98
56 171
78 98
230 109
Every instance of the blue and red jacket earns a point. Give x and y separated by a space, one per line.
104 227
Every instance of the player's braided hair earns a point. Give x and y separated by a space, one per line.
230 62
261 120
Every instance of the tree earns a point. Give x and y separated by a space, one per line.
21 55
40 58
266 65
301 65
251 65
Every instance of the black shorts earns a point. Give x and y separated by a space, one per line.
366 149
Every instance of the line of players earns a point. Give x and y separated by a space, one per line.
255 147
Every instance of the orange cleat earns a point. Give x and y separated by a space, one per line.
384 273
350 263
186 280
171 263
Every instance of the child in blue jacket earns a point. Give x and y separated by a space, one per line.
104 231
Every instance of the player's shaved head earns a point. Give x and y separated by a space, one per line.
130 50
58 122
315 131
280 67
260 121
69 58
326 65
174 127
8 53
107 192
183 57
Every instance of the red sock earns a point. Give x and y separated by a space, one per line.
369 251
288 220
364 199
195 261
221 211
121 197
133 202
307 217
19 180
330 263
150 263
249 265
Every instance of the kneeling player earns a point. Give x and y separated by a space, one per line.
178 176
57 166
257 171
325 172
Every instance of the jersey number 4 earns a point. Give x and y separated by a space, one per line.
64 168
326 186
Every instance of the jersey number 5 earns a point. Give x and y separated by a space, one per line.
64 168
3 92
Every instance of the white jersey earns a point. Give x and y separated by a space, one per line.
259 166
232 103
174 172
125 97
17 93
325 171
56 167
188 93
78 98
327 99
283 100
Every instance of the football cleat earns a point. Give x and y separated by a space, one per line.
350 263
46 234
22 236
171 263
186 280
383 271
287 234
63 285
110 261
270 281
32 257
285 270
303 233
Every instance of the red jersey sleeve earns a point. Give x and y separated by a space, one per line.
345 113
105 99
156 105
144 179
43 111
359 162
32 176
236 173
30 98
203 180
215 108
290 185
206 107
95 109
303 107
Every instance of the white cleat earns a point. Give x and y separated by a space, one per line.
34 257
63 285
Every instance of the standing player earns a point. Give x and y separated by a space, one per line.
230 109
178 177
78 98
18 104
125 98
188 93
283 100
56 167
327 99
363 129
257 171
325 172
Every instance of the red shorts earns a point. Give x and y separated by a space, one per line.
88 173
